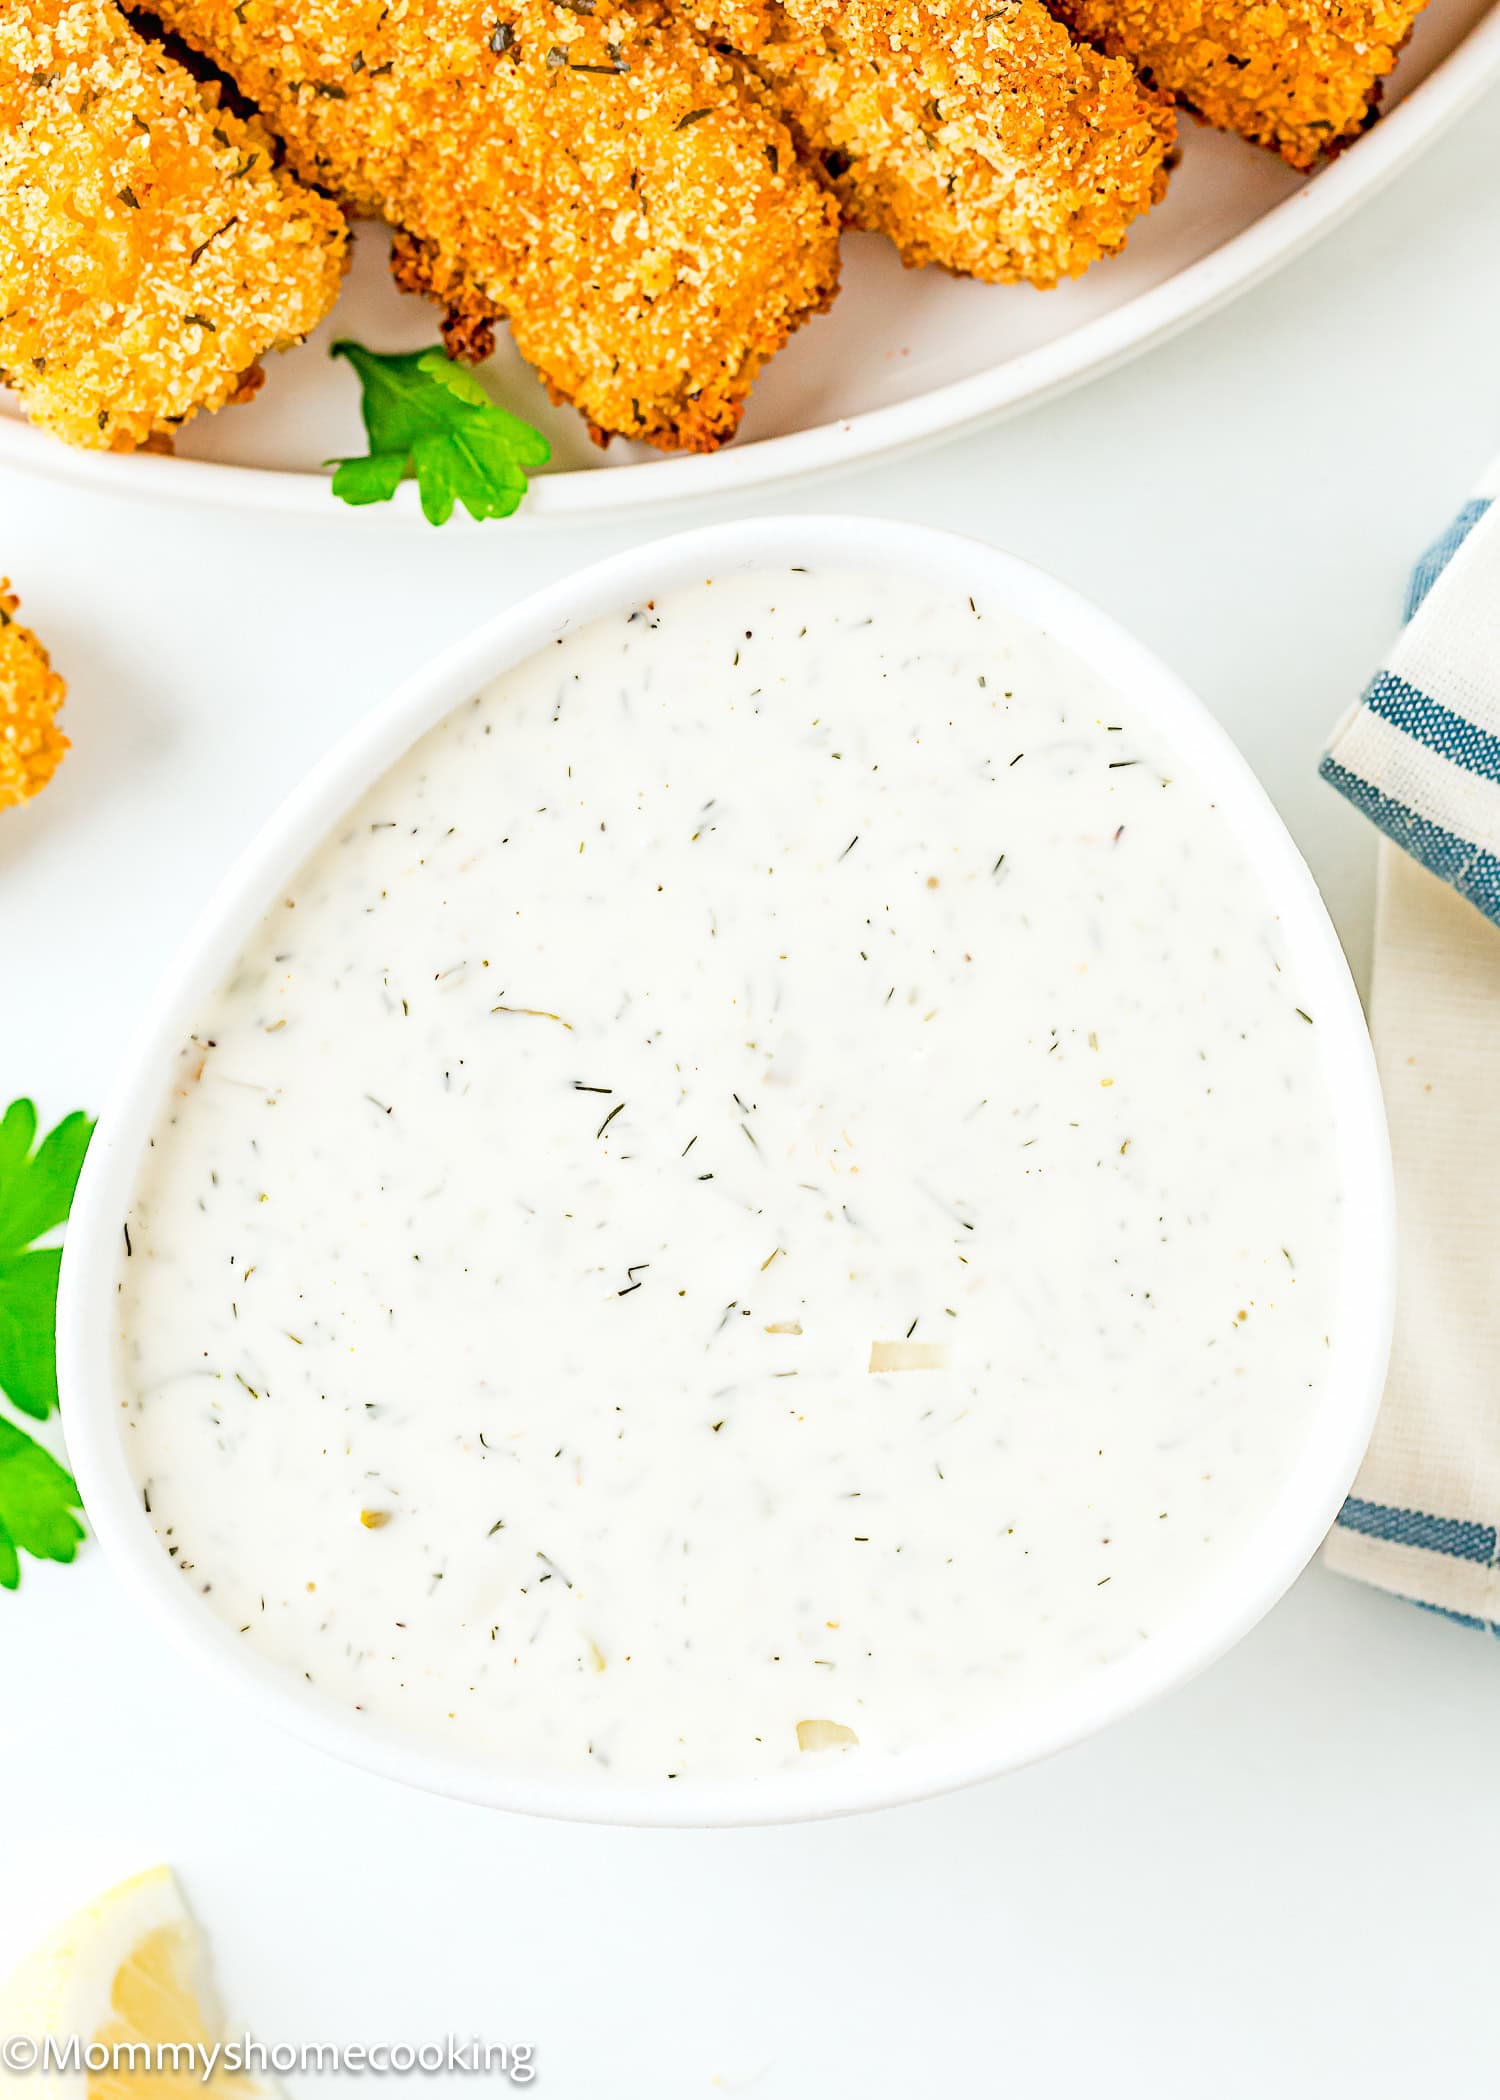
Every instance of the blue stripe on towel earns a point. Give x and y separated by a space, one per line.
1459 1618
1442 551
1427 721
1474 873
1412 1527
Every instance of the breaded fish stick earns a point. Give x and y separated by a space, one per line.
595 172
978 136
1300 76
31 744
149 251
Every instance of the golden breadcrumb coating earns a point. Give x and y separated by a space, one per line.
31 744
149 252
980 138
1301 76
620 191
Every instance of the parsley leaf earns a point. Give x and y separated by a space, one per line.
37 1495
36 1188
28 1318
37 1500
430 418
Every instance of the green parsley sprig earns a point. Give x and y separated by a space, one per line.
37 1495
430 418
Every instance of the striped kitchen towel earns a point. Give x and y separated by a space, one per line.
1420 755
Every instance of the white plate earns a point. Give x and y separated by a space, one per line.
904 357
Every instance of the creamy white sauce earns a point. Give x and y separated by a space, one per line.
770 1172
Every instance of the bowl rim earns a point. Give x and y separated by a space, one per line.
1242 1591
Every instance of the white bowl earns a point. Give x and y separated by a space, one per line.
1211 1620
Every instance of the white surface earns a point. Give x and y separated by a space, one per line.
1267 1531
1279 1880
905 354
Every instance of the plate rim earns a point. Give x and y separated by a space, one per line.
1036 375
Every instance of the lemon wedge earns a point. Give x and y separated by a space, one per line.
130 1971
